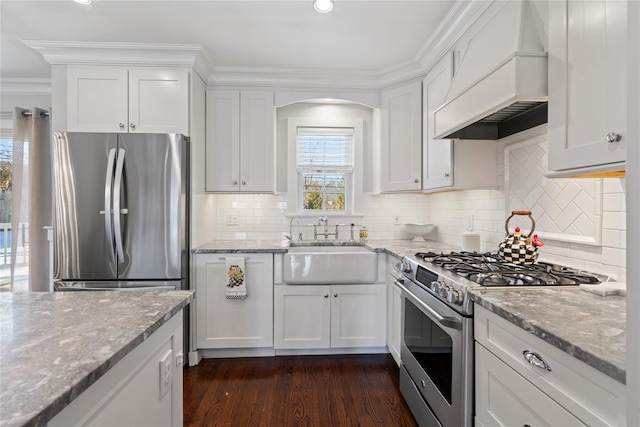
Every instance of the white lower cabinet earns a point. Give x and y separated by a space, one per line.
223 323
131 393
505 398
511 390
329 316
394 310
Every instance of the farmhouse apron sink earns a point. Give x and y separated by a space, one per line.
316 265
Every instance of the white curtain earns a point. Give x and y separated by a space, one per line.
31 204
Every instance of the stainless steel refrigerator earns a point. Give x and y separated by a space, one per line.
121 210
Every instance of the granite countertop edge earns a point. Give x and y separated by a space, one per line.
605 366
56 405
78 388
395 247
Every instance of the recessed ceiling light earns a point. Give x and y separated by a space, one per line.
83 1
323 6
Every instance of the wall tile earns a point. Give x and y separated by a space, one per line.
263 217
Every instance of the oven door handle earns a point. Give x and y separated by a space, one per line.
444 321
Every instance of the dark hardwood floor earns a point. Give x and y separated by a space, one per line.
289 391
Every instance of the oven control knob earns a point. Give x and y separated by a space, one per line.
403 266
442 290
454 296
434 286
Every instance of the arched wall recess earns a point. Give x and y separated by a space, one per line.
367 99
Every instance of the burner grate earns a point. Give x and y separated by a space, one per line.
487 269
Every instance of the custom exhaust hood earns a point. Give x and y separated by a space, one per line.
500 83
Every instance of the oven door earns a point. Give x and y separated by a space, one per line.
437 353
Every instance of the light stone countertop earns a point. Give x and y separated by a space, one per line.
54 345
589 327
397 248
586 326
242 246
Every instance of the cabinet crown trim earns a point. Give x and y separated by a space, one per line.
124 54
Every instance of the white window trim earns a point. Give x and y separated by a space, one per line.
294 184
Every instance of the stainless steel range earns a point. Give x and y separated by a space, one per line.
436 378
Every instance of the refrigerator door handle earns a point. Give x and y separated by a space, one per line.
108 185
117 186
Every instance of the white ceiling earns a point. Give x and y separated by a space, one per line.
372 36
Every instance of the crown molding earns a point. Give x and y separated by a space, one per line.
453 26
463 14
124 54
281 77
24 86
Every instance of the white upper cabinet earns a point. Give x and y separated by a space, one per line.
401 139
140 100
158 101
240 147
587 86
452 164
437 153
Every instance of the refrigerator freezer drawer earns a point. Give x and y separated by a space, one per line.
117 286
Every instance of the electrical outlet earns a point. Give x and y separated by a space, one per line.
396 220
166 370
232 219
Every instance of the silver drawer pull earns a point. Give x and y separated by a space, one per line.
536 360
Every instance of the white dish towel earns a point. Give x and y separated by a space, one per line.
606 288
236 281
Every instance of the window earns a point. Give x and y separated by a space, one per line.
6 169
324 159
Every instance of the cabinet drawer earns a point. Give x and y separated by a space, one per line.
505 398
590 395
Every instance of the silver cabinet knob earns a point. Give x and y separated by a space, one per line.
326 295
335 295
132 125
121 125
235 182
613 137
244 182
446 175
416 180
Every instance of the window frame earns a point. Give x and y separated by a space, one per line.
295 197
346 170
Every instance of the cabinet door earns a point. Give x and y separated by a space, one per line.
395 339
223 140
437 161
97 99
302 315
587 84
158 101
234 323
504 398
358 315
257 141
401 139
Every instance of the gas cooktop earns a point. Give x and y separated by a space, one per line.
487 269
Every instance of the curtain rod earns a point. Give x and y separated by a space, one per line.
43 114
